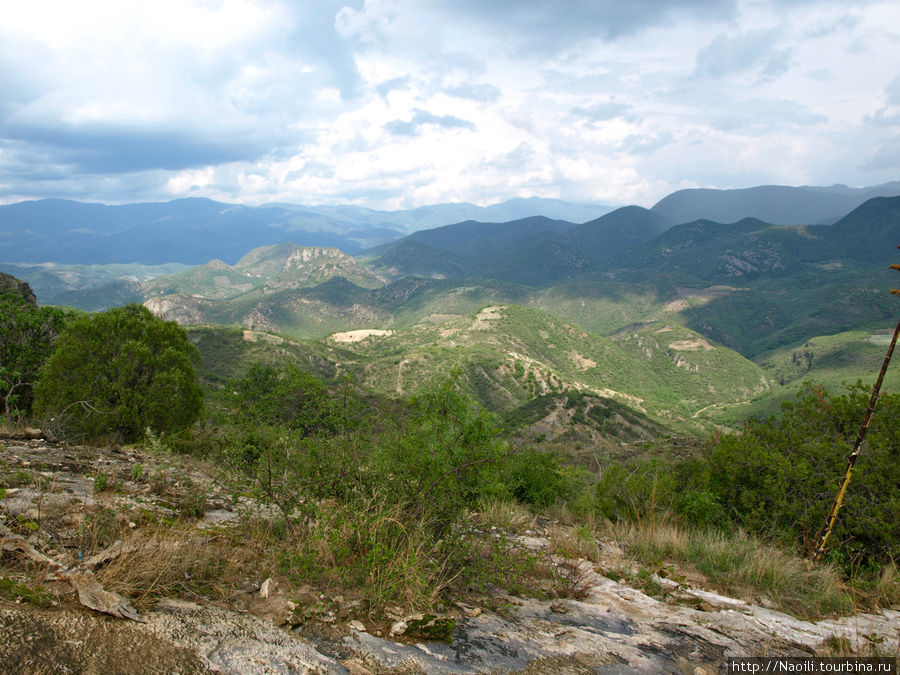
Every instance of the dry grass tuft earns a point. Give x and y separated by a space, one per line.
739 565
507 514
166 561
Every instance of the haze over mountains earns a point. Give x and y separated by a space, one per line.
194 231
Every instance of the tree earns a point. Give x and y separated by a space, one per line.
287 397
443 456
27 334
119 373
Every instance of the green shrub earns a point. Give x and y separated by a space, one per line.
442 456
535 477
117 373
284 397
638 492
27 334
779 476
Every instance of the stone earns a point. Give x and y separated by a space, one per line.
269 586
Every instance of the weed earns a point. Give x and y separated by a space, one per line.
98 530
17 591
838 646
191 502
574 542
432 628
102 482
506 514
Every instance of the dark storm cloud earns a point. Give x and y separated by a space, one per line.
105 148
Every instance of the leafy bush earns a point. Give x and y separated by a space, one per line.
442 456
27 334
639 492
288 397
779 476
535 477
117 374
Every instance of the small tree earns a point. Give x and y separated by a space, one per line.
117 373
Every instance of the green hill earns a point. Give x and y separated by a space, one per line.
510 355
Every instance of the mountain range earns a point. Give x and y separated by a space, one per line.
194 231
684 324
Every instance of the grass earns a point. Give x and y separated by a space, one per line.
741 566
732 563
173 560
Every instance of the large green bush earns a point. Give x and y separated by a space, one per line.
443 456
118 373
27 334
779 477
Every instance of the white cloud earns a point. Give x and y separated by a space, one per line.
398 103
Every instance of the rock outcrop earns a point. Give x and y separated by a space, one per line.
17 286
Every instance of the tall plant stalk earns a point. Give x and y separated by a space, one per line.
851 460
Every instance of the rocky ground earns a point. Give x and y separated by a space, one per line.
62 519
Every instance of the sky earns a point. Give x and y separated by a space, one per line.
393 104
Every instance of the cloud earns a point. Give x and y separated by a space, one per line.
727 55
482 92
541 26
892 91
103 148
765 114
885 157
422 118
606 111
399 102
386 87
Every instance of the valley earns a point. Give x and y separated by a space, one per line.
693 326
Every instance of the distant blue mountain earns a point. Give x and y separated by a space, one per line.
777 204
193 231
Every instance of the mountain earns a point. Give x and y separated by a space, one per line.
89 287
776 204
192 231
616 231
778 285
413 258
509 355
290 265
535 251
214 280
10 284
262 271
437 215
189 231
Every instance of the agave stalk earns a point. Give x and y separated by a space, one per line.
851 460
